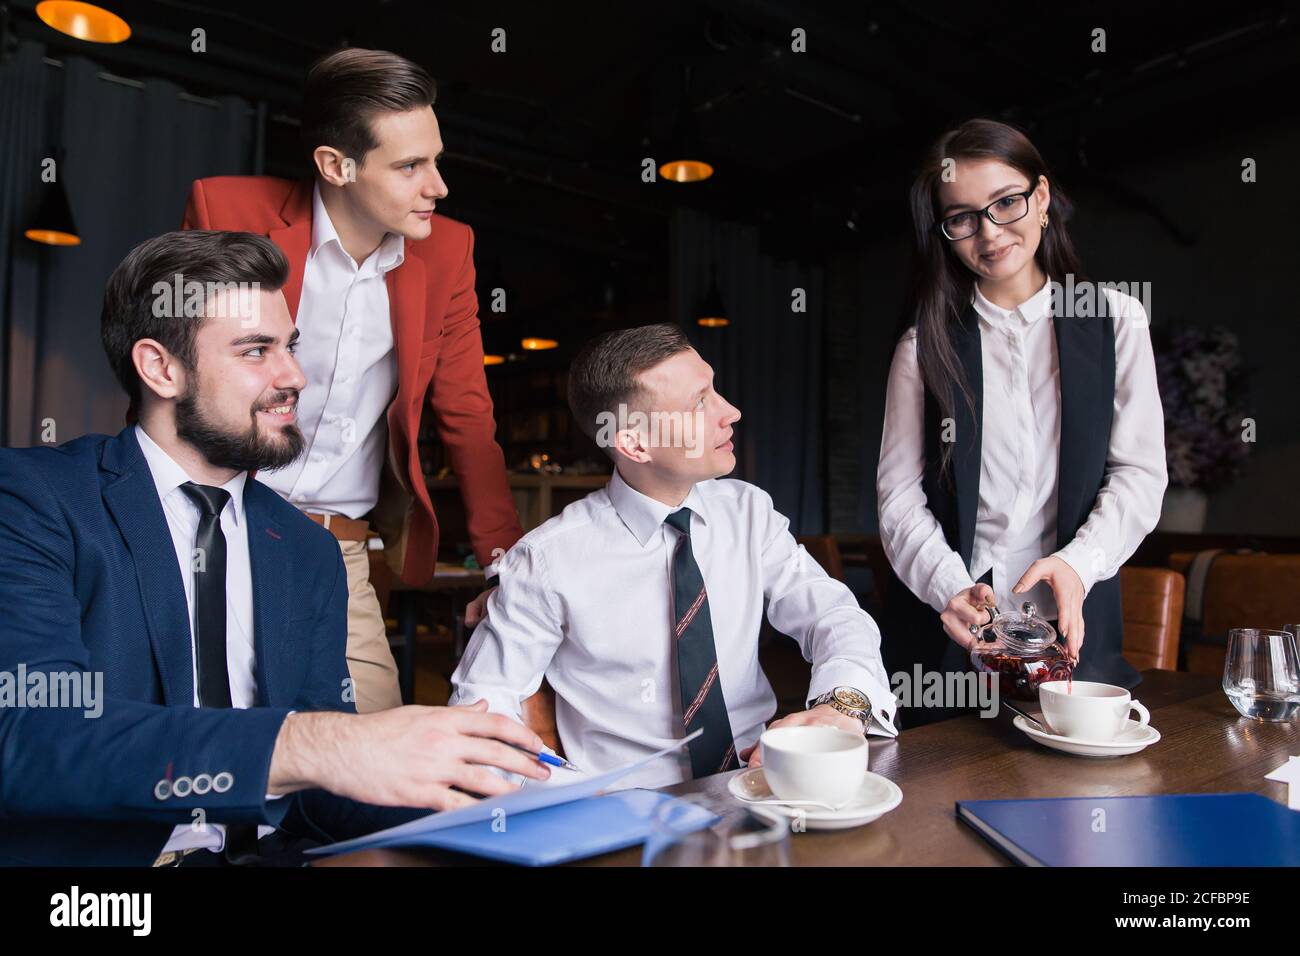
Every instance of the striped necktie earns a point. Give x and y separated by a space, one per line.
703 705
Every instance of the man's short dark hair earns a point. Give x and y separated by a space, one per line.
206 257
604 375
347 88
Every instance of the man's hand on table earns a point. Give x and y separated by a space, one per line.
409 756
823 715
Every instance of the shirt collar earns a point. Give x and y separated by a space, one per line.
389 255
168 475
643 515
1030 311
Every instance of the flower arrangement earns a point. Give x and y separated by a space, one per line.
1203 390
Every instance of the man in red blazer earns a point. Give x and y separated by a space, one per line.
381 289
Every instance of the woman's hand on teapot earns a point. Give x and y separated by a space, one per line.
968 607
1068 590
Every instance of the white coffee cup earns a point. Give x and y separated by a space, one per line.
1087 710
813 763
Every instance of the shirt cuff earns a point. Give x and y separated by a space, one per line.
949 579
884 705
1088 563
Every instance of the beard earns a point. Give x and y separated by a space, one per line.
248 450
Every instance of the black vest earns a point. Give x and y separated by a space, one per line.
1086 350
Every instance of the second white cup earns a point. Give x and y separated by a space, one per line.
1087 710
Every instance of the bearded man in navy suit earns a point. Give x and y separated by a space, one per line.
173 679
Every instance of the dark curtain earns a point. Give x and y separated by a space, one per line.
130 155
767 362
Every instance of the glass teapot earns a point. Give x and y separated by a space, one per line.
1023 651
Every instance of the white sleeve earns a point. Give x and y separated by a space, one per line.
913 541
511 649
835 635
1128 504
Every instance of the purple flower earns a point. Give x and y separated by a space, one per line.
1203 390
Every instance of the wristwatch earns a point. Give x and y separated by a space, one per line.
847 700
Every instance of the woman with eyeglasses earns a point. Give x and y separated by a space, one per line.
1023 449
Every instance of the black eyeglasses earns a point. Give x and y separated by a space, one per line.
1009 209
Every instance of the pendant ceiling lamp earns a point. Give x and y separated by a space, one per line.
686 162
85 21
712 313
53 224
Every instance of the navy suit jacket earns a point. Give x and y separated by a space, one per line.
89 583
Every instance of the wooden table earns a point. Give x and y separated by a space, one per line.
1206 747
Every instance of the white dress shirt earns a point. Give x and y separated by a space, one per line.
1015 524
584 600
183 522
346 353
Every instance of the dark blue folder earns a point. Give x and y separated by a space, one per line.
1210 829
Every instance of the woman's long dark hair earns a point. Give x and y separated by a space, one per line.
941 285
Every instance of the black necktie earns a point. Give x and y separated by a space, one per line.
697 660
209 564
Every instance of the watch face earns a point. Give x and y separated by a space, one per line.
850 698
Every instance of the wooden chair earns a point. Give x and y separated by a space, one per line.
539 717
1153 615
867 551
1241 590
823 549
445 595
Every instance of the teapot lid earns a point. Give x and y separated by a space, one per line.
1023 628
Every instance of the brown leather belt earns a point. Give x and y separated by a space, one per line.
345 529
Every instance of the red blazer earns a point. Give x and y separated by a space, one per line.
439 361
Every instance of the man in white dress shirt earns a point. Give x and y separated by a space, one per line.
641 604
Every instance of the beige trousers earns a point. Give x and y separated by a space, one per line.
370 662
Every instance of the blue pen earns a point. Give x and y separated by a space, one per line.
549 759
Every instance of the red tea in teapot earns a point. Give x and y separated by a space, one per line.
1023 652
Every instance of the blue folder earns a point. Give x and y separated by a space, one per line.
501 828
558 833
1210 829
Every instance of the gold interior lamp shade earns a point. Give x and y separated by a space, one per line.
53 224
85 21
686 143
490 359
685 170
712 313
538 345
52 237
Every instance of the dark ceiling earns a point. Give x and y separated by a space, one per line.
545 141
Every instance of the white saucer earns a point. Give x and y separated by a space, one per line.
876 797
1131 739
